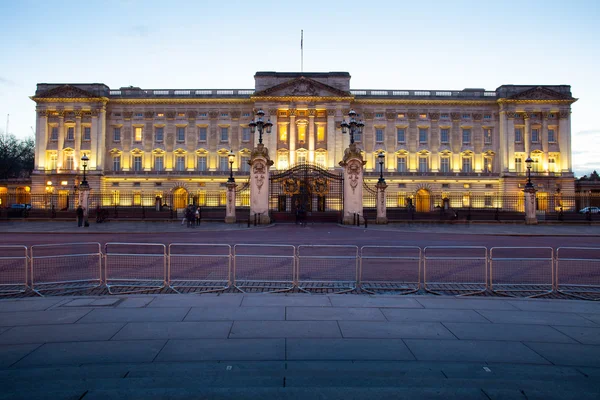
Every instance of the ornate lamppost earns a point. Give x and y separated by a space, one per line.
84 161
530 215
230 208
231 159
353 126
84 192
381 186
260 124
381 158
529 161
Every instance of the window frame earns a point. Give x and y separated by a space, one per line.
466 133
398 131
423 135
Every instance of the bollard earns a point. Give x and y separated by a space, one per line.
365 222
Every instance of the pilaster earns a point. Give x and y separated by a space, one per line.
545 140
292 137
510 141
311 135
41 140
564 140
332 153
527 133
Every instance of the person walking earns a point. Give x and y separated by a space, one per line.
79 216
197 216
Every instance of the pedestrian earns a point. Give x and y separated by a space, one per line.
79 216
197 216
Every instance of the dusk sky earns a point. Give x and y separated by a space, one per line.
383 45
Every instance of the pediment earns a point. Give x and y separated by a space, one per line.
540 93
67 91
302 87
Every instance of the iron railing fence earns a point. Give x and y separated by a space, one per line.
184 267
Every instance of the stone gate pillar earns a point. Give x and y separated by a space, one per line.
353 164
530 216
259 184
230 208
381 206
84 202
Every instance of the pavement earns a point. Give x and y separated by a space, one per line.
298 346
475 228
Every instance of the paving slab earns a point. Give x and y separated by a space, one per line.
555 305
173 330
374 301
223 349
204 300
568 354
473 350
432 315
333 314
581 334
93 352
509 371
135 315
347 349
227 313
285 329
535 317
397 330
592 317
60 333
192 368
135 302
66 316
508 332
270 299
397 368
32 305
10 354
466 303
68 372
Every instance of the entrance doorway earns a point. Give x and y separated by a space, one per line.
423 201
180 198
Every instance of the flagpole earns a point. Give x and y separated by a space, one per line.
302 50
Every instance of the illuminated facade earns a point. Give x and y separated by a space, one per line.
162 141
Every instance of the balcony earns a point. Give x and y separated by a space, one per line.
176 173
433 174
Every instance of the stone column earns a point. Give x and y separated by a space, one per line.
41 140
510 141
94 149
527 134
564 141
61 138
545 140
353 165
78 136
412 142
311 135
273 137
434 141
381 206
331 139
455 142
292 134
530 216
259 184
230 209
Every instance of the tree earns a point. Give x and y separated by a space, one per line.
16 156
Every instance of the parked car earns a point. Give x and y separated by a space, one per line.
592 210
21 206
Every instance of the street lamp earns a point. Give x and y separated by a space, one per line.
260 124
84 161
381 158
529 161
231 159
352 126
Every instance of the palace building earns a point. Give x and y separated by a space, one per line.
177 141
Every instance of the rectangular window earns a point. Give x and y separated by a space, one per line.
445 164
519 164
487 164
422 135
159 163
423 164
301 158
379 135
116 134
444 136
181 133
282 161
137 163
69 162
137 134
71 133
283 133
535 167
202 163
53 161
320 159
401 135
245 134
551 136
320 133
87 133
466 136
244 166
466 164
423 116
180 163
224 134
535 135
302 133
487 136
116 163
54 133
551 164
518 135
160 133
202 134
223 163
402 164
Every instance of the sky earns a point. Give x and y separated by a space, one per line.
443 45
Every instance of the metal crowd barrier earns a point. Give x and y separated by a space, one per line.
522 269
264 267
66 267
136 267
459 269
578 271
199 268
13 269
390 268
327 267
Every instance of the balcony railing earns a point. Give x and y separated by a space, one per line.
438 174
443 94
178 173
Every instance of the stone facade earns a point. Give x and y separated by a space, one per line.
158 141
